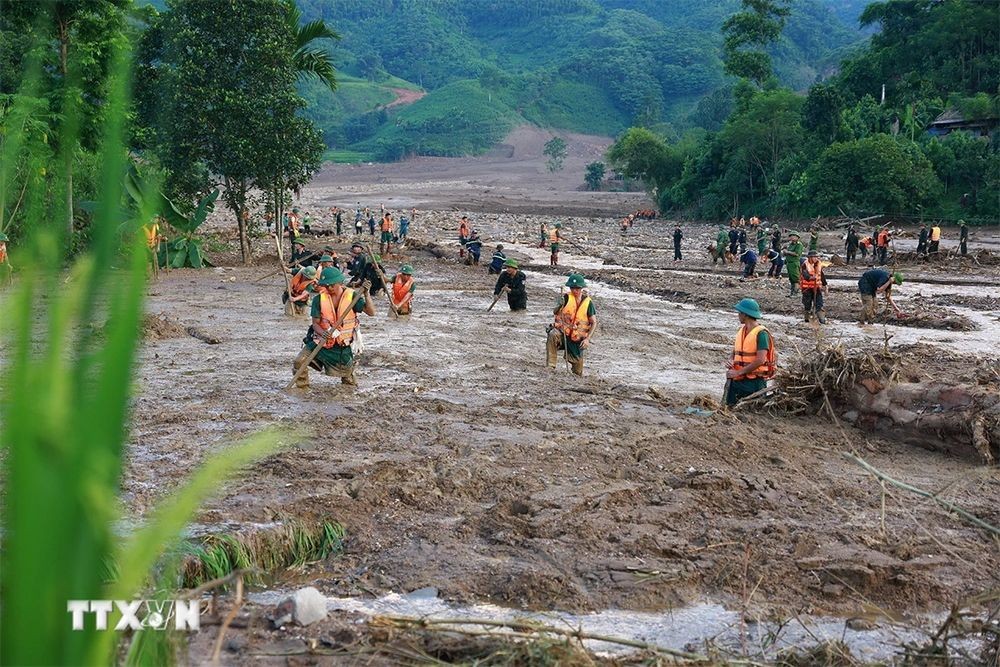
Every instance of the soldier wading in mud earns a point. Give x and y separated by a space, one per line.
333 303
575 321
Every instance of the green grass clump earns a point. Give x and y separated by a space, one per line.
266 551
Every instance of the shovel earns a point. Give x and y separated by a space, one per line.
332 332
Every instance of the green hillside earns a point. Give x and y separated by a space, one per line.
593 66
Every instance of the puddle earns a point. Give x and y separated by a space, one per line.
686 628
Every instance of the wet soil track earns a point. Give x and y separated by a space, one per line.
461 462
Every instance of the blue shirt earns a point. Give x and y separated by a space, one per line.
871 280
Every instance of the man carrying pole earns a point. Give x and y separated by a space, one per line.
327 346
813 284
511 281
793 255
576 319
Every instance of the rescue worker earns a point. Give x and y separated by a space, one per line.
402 289
333 304
297 303
575 320
385 240
371 223
741 237
865 245
543 234
922 240
496 261
935 243
776 239
404 228
851 245
463 235
749 261
300 256
734 240
761 238
678 235
870 285
357 221
813 285
512 280
357 265
963 238
339 218
721 239
326 261
813 240
777 263
554 239
475 247
882 246
753 361
793 255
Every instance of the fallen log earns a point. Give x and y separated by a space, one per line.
202 336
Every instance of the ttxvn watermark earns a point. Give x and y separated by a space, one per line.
137 614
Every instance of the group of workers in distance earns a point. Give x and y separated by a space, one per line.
335 296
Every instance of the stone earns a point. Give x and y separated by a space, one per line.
426 593
305 607
851 416
860 624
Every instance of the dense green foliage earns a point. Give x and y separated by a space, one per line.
226 115
592 66
839 147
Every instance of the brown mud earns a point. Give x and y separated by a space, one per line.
461 462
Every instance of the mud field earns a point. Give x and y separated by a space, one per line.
462 463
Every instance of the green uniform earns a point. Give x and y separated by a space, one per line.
761 242
741 388
793 255
814 242
386 237
338 355
721 241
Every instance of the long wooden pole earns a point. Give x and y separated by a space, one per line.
385 283
331 332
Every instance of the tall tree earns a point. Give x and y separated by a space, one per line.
748 33
82 34
229 102
309 59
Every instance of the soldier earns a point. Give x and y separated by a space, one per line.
575 320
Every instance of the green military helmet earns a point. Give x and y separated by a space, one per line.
377 258
558 224
406 270
898 278
793 233
511 263
309 272
331 276
325 258
749 307
575 280
3 238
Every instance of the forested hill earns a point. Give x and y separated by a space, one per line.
595 66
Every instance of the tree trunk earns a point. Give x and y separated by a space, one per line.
63 29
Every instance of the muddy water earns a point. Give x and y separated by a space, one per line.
687 628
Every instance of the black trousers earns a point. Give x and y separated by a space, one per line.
677 251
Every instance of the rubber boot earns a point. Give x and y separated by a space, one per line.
303 381
791 289
349 379
552 345
808 316
576 363
821 316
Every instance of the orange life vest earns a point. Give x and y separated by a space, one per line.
553 235
463 229
815 272
745 353
400 288
883 239
572 320
935 233
298 284
330 316
386 224
3 253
